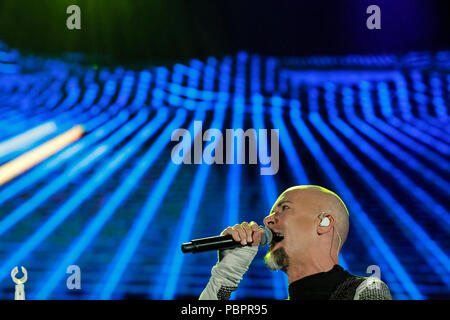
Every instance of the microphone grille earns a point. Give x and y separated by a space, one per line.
266 237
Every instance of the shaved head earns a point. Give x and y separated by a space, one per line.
320 199
300 241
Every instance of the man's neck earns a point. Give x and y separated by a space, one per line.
298 271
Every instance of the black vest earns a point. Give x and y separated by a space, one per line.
336 284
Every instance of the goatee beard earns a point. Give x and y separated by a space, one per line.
277 260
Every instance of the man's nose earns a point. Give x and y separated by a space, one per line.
271 219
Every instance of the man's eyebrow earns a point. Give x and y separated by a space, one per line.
280 203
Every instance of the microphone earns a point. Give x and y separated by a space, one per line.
220 242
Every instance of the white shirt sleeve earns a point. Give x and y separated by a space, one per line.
228 272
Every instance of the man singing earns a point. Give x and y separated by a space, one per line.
310 225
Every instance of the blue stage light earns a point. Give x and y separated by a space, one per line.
372 128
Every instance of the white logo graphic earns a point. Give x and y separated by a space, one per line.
374 20
74 281
235 140
74 20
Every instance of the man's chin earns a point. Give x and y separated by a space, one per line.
276 259
275 246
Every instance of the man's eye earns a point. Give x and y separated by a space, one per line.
284 207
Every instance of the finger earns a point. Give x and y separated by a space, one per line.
254 226
242 234
232 232
248 231
257 235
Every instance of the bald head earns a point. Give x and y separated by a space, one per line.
295 219
317 200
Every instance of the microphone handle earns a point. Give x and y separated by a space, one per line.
210 244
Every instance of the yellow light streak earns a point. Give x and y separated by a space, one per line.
17 166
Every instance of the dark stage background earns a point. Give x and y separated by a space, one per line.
180 30
361 112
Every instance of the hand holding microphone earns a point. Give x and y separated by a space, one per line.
244 234
237 247
247 233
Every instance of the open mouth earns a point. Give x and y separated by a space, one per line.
277 237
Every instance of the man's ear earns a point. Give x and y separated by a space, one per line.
326 223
